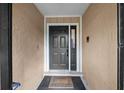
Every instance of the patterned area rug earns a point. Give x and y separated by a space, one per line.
61 82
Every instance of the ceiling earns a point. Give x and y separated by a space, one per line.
62 9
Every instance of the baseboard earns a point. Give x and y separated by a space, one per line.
85 83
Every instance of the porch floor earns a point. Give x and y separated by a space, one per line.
77 84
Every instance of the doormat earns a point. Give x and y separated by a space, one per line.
61 82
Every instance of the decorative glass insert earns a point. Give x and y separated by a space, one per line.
73 43
55 41
73 47
62 42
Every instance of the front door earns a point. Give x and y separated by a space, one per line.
58 45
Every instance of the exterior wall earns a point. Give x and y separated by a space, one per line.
63 20
100 54
27 45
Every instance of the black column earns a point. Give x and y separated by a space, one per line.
120 21
6 45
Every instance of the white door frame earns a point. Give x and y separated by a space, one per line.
46 46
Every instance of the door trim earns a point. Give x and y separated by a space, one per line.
46 46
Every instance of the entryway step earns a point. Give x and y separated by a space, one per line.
51 73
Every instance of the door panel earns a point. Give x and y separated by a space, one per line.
58 40
55 41
55 58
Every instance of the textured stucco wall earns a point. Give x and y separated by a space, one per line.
27 45
63 20
100 54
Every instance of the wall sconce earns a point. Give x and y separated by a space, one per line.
87 39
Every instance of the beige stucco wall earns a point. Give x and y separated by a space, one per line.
27 45
63 20
100 54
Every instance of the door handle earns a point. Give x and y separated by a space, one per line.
67 52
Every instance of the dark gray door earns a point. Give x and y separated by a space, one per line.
58 45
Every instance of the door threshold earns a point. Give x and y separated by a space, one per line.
63 73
